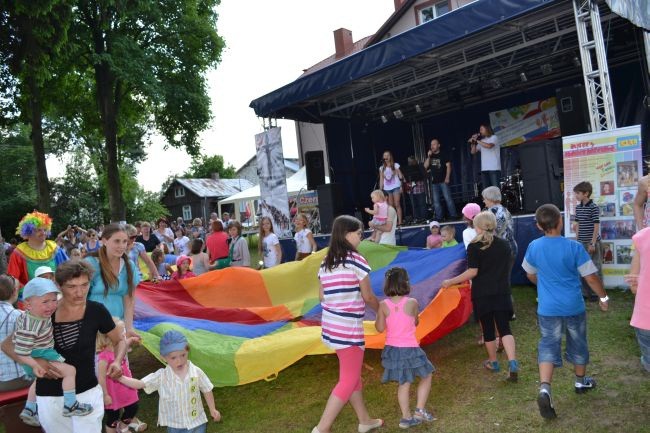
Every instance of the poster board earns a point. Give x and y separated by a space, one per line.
536 120
611 162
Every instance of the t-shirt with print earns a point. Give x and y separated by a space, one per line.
269 251
558 263
438 167
391 179
302 241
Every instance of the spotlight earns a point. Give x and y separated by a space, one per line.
547 69
384 119
576 62
523 77
418 109
398 114
495 83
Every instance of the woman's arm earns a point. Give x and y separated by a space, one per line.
380 321
381 177
119 349
639 201
102 368
467 275
129 310
633 277
153 270
367 294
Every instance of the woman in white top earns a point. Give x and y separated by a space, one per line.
165 234
488 144
269 244
305 243
181 243
390 180
387 230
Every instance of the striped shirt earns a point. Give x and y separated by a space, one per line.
180 403
343 306
9 370
32 333
587 215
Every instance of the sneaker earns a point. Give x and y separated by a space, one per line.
409 422
545 404
29 417
513 370
77 409
423 415
587 384
492 366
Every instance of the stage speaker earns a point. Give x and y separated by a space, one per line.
315 169
572 110
330 204
542 173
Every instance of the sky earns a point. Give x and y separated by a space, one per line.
268 44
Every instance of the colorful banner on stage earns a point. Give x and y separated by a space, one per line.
611 161
274 200
536 120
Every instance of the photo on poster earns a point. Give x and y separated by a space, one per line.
616 229
626 202
607 209
607 187
623 254
627 173
608 253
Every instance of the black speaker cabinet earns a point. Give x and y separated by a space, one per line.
330 204
542 173
315 169
572 110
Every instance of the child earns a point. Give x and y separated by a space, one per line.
448 234
180 386
470 210
269 245
116 395
556 264
33 338
238 250
44 272
75 254
639 274
434 240
344 293
491 298
183 265
199 257
402 357
158 258
181 242
305 243
379 212
587 229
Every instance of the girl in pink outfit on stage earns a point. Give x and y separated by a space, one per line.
402 358
379 212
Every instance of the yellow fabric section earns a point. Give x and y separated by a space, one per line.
294 281
44 254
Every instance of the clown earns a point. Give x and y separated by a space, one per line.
36 250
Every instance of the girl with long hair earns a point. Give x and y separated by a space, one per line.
390 180
269 244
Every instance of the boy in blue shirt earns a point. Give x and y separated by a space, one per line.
555 264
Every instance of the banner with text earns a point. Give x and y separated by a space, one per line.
611 162
536 120
274 200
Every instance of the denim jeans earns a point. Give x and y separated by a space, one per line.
198 429
490 178
419 205
551 328
442 188
643 337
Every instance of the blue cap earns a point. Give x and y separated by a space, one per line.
38 287
172 341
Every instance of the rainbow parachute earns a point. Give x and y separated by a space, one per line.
245 325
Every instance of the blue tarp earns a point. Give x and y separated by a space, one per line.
449 28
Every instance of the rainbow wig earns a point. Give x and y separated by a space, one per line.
32 221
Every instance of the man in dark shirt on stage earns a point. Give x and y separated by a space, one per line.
439 166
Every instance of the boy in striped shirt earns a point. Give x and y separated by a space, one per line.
587 229
33 338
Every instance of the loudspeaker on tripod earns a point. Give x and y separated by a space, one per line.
315 169
330 204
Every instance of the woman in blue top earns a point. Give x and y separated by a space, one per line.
115 276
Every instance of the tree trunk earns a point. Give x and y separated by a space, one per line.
36 120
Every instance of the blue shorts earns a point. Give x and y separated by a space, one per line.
551 329
393 191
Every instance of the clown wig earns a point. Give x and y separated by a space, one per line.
33 221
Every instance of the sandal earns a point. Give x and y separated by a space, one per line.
137 425
492 366
365 428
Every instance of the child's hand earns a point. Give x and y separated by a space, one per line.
215 414
39 371
108 400
445 283
633 281
591 249
604 306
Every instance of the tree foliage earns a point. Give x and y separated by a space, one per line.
203 167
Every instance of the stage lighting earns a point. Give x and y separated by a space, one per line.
576 62
398 114
523 77
547 69
418 109
495 83
384 119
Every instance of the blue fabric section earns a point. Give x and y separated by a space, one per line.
60 256
232 329
451 27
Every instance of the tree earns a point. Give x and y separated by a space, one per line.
147 58
203 167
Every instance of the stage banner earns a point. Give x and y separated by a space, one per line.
611 161
537 120
274 200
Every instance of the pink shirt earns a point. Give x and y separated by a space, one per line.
434 241
382 211
122 395
400 327
641 313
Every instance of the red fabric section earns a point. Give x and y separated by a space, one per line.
8 397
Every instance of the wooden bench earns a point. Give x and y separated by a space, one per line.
11 403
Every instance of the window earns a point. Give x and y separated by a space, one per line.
187 212
179 191
431 10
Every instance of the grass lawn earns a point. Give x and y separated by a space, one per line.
464 396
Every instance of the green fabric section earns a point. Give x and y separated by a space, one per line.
214 354
377 255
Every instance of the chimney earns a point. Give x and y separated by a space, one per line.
342 42
215 176
398 3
